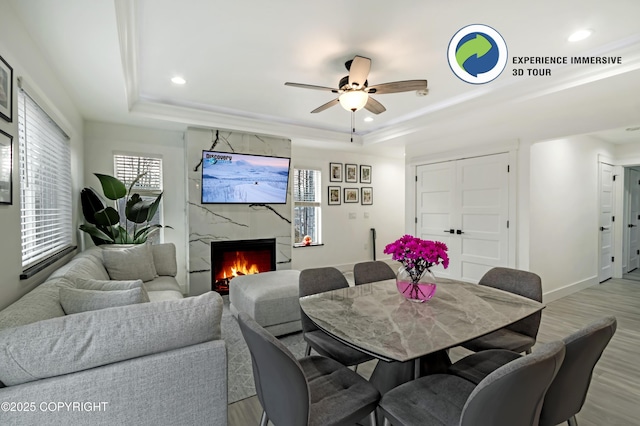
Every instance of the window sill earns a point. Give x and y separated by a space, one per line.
307 245
32 270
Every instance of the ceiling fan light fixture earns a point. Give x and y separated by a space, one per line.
353 100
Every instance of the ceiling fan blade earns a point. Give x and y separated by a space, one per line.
398 86
326 106
359 70
374 106
311 86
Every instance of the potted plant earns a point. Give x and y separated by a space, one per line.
102 222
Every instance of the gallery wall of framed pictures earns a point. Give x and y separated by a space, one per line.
349 173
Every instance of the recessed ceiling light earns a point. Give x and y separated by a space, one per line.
368 119
580 35
178 80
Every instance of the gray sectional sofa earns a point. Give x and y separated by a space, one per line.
157 363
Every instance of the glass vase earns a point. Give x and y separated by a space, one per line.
417 290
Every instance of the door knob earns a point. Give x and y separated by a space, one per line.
602 228
631 225
450 231
459 231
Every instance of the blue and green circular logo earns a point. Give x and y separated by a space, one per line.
477 54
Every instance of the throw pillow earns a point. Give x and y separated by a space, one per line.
131 263
164 257
110 285
75 300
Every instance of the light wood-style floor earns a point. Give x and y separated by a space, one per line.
614 395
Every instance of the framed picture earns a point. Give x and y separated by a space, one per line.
334 195
335 172
367 195
351 173
351 195
365 174
6 90
6 163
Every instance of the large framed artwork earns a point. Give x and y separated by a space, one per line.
6 90
335 172
6 163
351 173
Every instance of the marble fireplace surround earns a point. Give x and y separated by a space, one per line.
226 222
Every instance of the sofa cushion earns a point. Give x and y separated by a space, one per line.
164 259
106 285
39 304
75 300
86 340
109 285
81 266
130 263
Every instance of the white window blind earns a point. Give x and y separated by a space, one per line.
307 205
129 167
45 183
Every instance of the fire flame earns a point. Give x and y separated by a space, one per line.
240 266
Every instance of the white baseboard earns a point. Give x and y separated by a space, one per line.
558 293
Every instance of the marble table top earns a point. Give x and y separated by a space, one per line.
376 319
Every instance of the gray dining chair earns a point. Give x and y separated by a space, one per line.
446 399
371 271
568 392
318 280
521 335
311 391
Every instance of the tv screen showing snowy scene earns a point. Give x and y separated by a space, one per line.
243 178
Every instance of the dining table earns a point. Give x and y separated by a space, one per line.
412 339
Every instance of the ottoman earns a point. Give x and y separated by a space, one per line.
271 298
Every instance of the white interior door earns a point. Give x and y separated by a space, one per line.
435 198
483 194
465 204
606 225
633 220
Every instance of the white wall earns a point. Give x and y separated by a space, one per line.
19 50
348 241
104 139
563 214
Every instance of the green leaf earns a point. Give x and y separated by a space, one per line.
141 237
107 217
112 188
91 203
154 208
136 181
96 233
137 210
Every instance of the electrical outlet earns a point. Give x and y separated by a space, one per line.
352 215
366 215
366 246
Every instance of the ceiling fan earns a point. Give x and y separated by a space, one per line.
354 89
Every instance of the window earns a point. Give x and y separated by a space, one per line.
306 205
45 184
127 168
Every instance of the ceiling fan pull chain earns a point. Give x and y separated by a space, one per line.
353 123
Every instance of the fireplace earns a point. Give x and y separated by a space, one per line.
240 257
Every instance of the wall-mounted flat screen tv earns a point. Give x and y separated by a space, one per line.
230 178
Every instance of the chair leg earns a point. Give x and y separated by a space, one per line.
355 368
308 351
528 351
372 418
264 419
387 422
572 421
